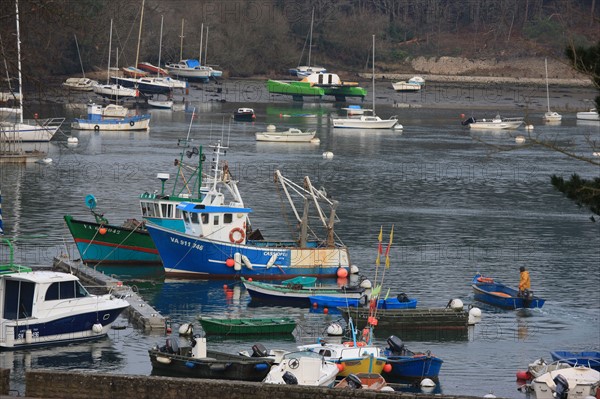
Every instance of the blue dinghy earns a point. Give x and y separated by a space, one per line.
337 301
589 359
408 366
494 293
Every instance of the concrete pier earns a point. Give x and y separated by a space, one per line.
139 312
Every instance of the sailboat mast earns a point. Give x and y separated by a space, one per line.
79 55
19 63
137 54
373 75
312 19
547 90
160 44
201 36
205 45
181 44
109 52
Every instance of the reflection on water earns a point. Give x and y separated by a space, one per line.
458 206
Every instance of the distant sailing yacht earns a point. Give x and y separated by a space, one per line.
550 116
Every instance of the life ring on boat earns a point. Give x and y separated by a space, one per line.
241 233
97 127
485 279
349 344
131 123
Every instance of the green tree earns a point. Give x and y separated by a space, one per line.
587 61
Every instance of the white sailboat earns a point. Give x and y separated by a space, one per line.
306 70
28 131
113 91
368 120
550 116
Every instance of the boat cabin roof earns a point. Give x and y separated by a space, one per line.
240 110
201 208
41 277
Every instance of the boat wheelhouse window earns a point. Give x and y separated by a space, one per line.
156 210
18 299
148 209
216 220
169 211
65 290
177 213
80 291
205 218
164 210
227 218
195 218
185 216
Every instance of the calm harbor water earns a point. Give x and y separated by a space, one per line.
457 204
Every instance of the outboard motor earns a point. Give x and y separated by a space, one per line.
562 387
289 378
468 121
396 345
353 381
402 297
258 350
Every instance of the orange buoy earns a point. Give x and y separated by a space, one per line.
325 310
229 262
340 367
102 230
387 368
250 279
342 273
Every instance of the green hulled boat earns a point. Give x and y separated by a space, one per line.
317 85
273 325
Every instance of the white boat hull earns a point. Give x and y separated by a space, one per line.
364 123
406 87
552 116
493 125
591 115
113 125
286 138
34 132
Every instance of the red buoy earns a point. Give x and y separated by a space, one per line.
387 368
342 273
523 375
325 310
229 262
102 230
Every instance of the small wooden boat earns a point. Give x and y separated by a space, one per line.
197 362
494 293
368 381
244 115
408 366
297 290
587 358
292 135
272 325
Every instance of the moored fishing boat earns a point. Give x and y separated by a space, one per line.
198 362
303 368
241 326
298 291
98 120
219 241
408 366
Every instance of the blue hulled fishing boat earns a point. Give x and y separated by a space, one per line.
219 241
492 292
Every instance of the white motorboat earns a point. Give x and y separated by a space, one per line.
550 116
591 115
406 86
303 368
368 120
115 91
567 383
45 307
497 122
162 104
189 69
292 135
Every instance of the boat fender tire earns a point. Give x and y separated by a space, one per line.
289 378
97 127
241 233
131 123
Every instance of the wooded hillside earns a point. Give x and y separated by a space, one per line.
248 38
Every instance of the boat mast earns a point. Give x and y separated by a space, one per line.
79 55
373 75
160 45
547 91
181 43
109 52
137 54
19 63
312 19
200 52
205 45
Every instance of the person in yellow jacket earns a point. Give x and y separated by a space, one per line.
524 282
